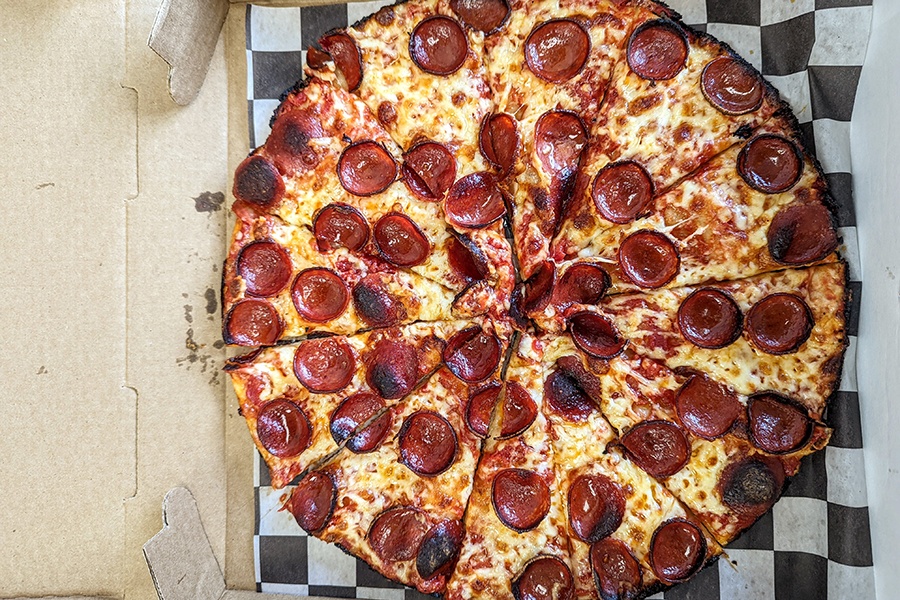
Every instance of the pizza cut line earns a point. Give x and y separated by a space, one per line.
544 297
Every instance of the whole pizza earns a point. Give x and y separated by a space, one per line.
544 295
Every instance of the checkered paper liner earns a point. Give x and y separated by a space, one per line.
815 543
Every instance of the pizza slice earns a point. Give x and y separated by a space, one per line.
628 535
303 401
726 456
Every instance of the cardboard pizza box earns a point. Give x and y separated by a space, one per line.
119 425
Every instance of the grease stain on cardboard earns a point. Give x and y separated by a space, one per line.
209 202
195 355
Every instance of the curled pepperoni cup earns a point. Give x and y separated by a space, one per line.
428 443
319 295
658 447
706 408
537 289
649 259
481 408
776 424
677 551
596 507
253 323
559 139
400 241
393 368
375 305
801 233
438 45
340 226
752 485
316 59
439 549
397 533
499 141
324 365
258 182
617 573
657 50
347 58
429 169
731 86
565 395
521 498
472 355
466 260
351 414
622 192
474 201
366 168
582 283
312 501
779 323
557 50
544 578
483 15
710 318
770 164
517 412
265 268
596 335
283 429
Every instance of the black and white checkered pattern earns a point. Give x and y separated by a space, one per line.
815 543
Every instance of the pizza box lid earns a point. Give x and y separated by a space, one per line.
129 189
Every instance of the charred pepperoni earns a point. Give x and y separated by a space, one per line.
283 429
481 407
472 354
658 447
710 318
706 408
779 323
582 283
648 259
392 369
439 549
340 226
397 534
752 485
677 551
622 192
596 507
731 86
801 233
499 141
770 164
258 182
483 15
557 50
565 395
616 571
438 45
521 498
265 268
319 295
375 305
777 425
350 415
596 335
544 578
400 240
347 58
253 323
429 169
428 443
324 365
312 501
657 50
518 410
474 201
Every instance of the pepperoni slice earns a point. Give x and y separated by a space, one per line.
375 305
521 498
340 226
253 323
466 259
400 241
706 408
770 164
710 318
351 413
596 335
481 407
518 410
538 288
544 578
347 58
288 144
283 429
622 192
472 355
258 182
393 368
596 507
427 443
438 45
319 295
658 447
657 50
483 15
397 534
752 485
499 141
779 323
557 50
677 551
429 169
777 425
582 283
731 86
559 139
649 259
324 365
265 268
312 501
366 168
474 201
801 233
316 59
617 572
439 549
566 396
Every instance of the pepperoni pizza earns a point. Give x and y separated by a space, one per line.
545 297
